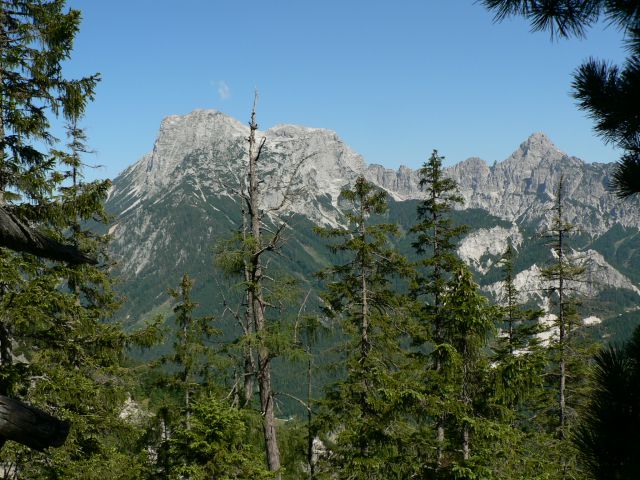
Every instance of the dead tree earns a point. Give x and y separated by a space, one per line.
14 234
30 426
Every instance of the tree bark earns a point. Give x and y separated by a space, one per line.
258 305
14 234
30 426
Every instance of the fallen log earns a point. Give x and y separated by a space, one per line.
30 426
14 234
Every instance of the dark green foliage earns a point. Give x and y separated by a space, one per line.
191 356
517 354
36 37
216 444
609 433
435 233
436 241
58 349
361 418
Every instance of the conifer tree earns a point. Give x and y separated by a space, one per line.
469 323
35 38
517 352
190 352
215 444
263 316
57 349
435 242
609 430
254 271
365 409
66 356
563 274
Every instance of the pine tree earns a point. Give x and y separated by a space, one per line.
365 409
609 430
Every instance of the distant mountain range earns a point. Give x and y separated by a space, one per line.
174 204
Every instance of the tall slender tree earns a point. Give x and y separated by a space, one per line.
470 321
563 275
263 316
365 409
190 351
517 354
435 242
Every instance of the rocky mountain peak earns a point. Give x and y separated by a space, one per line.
534 150
180 197
206 148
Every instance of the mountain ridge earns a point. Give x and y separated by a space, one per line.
177 201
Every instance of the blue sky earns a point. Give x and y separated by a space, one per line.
394 79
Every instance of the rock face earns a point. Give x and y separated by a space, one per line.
197 157
173 204
480 248
598 276
522 188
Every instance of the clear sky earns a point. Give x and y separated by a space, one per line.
395 79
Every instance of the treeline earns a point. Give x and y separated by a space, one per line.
434 380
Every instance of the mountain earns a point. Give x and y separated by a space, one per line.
174 204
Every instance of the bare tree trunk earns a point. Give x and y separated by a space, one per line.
310 461
258 304
466 451
249 375
249 325
366 344
466 400
439 439
561 312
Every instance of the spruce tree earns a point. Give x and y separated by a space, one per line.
435 243
364 412
67 357
470 321
190 354
563 275
517 354
215 444
568 349
58 350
